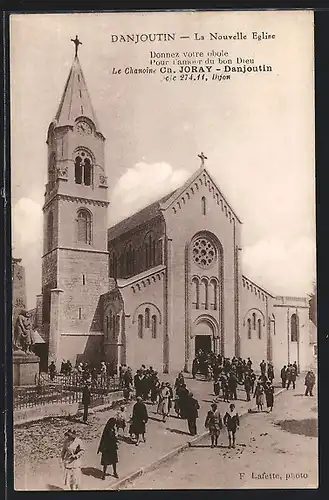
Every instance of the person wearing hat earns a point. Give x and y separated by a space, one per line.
191 412
86 397
214 424
72 451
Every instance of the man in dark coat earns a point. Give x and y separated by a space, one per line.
86 397
295 367
270 372
263 368
232 385
247 385
291 376
195 367
192 407
249 363
309 382
138 382
139 420
283 375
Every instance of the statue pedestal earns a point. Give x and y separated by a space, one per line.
25 368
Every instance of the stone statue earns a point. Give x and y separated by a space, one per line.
23 333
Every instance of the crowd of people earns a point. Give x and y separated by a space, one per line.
148 389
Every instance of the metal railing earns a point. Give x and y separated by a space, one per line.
63 389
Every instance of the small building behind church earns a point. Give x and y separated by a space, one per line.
158 286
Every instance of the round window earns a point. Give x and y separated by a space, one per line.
204 252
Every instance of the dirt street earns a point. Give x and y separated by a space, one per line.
274 450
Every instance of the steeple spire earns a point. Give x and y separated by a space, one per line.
75 100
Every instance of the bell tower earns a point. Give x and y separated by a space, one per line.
75 257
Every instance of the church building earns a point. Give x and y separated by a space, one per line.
159 285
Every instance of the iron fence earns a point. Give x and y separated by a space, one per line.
63 389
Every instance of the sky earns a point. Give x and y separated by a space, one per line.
257 130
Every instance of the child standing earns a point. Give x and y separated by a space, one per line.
232 422
121 419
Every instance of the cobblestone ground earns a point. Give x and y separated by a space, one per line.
274 450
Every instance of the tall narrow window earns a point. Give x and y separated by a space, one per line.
213 299
249 328
117 326
78 170
107 328
259 327
87 173
195 293
140 326
154 327
84 226
147 318
204 294
80 313
203 206
294 328
146 255
50 231
52 171
254 321
111 323
83 279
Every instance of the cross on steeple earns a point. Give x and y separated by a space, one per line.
76 42
203 158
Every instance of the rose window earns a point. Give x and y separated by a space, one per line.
204 252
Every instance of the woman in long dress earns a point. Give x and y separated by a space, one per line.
138 420
164 402
108 447
259 394
72 451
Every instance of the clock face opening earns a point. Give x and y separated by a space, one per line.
84 128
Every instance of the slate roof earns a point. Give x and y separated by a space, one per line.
145 214
75 100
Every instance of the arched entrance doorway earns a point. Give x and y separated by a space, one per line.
205 334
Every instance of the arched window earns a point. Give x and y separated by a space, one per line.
78 170
50 231
154 327
84 226
147 318
195 293
204 294
140 326
203 206
213 294
259 327
87 172
294 328
129 259
254 321
249 328
149 250
83 170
